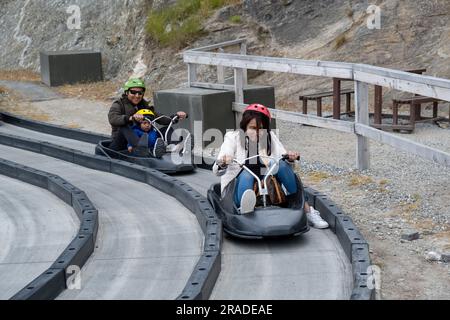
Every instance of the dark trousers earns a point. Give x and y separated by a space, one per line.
126 136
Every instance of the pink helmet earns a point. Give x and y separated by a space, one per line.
259 108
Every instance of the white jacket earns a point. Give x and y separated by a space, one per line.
232 147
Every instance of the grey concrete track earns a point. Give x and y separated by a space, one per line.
35 227
25 133
311 266
147 245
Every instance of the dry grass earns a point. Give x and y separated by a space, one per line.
103 90
407 209
20 75
318 176
359 180
22 109
73 125
349 13
13 103
340 41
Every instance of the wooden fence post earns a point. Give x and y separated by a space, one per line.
238 91
243 51
362 117
192 73
221 70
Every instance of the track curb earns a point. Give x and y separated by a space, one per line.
55 279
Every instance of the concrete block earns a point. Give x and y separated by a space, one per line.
212 107
410 235
69 67
445 257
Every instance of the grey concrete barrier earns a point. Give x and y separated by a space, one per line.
53 281
201 282
60 131
204 277
47 286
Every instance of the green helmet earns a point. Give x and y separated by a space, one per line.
134 83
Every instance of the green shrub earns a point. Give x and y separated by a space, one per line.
236 19
178 24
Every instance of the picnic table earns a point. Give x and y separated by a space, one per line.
415 116
378 103
319 96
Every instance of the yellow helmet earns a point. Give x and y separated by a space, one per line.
146 112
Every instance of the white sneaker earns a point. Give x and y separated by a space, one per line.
315 220
248 202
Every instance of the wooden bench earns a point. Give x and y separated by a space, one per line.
319 96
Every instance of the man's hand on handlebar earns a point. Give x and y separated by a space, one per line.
181 115
137 117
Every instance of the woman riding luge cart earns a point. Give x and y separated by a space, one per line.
253 159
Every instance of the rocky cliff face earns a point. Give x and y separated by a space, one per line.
413 34
115 27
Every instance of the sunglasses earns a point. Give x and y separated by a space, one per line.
136 92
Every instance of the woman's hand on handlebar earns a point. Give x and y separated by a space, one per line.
225 161
292 156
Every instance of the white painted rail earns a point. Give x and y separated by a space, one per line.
362 74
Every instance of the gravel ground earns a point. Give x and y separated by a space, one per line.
400 192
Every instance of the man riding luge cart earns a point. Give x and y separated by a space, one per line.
142 136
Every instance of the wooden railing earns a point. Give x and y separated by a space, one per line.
363 76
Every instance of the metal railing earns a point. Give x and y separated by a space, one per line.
363 76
